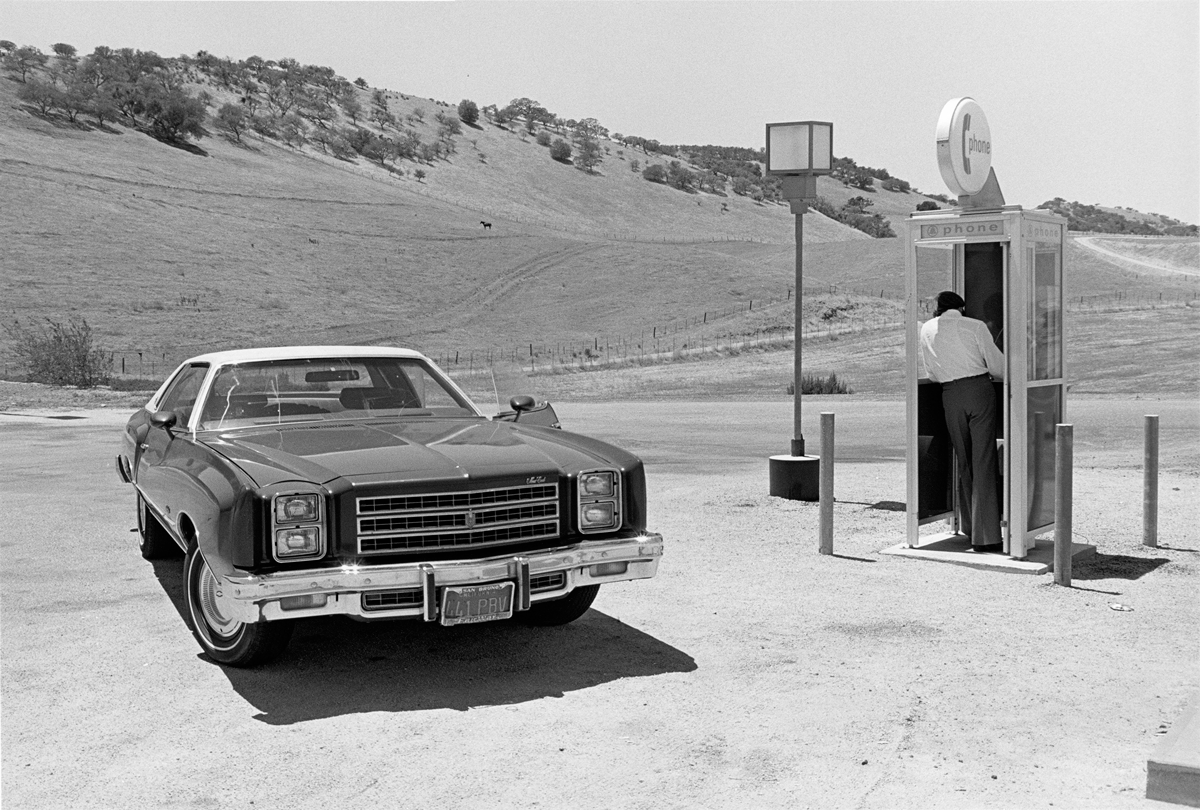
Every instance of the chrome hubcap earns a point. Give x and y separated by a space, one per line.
210 604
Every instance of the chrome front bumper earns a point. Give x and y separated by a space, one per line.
255 598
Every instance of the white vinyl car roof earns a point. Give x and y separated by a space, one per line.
300 353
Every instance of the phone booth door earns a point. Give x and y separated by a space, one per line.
1037 391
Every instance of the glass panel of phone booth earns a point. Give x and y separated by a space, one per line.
1045 311
1044 372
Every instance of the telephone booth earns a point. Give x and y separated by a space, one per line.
1007 264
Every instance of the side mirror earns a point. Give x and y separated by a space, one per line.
521 403
164 419
537 414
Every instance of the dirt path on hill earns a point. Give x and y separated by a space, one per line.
1091 243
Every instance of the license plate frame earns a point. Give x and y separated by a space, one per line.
475 604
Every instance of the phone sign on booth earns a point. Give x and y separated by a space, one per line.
964 146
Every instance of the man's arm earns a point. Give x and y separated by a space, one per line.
992 356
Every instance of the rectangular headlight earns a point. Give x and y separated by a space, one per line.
598 515
597 485
301 541
297 508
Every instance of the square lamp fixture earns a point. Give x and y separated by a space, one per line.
800 148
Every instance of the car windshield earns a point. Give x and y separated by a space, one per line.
276 391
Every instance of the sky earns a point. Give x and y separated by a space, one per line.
1097 102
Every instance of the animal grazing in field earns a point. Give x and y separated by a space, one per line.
314 241
487 226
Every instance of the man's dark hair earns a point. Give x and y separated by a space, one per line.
947 299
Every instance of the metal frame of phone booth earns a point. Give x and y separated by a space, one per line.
1007 263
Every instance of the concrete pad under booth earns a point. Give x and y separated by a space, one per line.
1173 770
955 549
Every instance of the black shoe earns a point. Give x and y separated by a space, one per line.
994 548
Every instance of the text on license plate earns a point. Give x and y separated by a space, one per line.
469 604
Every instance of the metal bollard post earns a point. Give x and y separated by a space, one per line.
1150 485
1064 450
825 493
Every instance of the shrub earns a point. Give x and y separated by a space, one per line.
60 354
928 205
560 150
543 138
468 111
655 173
812 384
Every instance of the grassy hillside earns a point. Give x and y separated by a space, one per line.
168 252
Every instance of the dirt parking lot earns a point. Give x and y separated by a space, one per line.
752 672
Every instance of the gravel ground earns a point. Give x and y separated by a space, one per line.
752 672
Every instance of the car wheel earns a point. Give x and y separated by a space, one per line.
225 639
561 611
153 540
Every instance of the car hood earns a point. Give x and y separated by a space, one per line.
409 450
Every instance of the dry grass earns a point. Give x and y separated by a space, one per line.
168 253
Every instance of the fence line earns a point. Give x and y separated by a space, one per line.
685 336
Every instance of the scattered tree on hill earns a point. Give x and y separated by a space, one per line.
680 176
655 173
352 107
468 111
64 50
590 128
42 95
928 205
530 110
7 46
382 117
25 60
852 214
449 123
175 116
560 150
543 138
851 174
234 119
293 130
361 82
76 98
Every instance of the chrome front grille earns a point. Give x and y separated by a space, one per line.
392 600
457 520
554 581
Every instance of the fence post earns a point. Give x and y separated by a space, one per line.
825 488
1064 450
1150 485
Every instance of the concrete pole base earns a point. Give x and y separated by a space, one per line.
797 478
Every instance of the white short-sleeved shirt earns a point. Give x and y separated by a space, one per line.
954 346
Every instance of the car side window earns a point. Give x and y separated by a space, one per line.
180 397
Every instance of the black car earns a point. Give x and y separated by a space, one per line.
362 481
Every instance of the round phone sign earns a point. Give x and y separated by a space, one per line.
964 146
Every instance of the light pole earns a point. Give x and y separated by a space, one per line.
796 153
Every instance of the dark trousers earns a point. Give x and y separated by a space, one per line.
970 406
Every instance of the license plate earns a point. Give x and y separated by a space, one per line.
470 604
